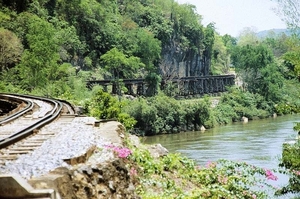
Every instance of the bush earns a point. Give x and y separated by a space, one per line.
175 176
291 161
225 114
237 104
162 114
104 106
197 114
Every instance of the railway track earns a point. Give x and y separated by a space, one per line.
19 130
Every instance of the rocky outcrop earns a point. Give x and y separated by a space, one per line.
107 180
98 173
179 62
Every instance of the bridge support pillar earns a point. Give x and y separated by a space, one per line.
140 89
129 89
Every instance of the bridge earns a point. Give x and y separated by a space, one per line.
184 86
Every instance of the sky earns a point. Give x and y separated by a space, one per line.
232 16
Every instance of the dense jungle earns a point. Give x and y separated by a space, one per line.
52 47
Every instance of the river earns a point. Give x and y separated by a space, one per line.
258 142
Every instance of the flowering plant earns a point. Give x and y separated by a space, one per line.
291 161
122 152
175 176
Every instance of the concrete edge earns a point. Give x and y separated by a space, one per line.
14 186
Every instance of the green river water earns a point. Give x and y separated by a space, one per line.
258 142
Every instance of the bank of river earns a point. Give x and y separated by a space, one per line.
258 142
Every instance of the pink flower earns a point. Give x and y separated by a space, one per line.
121 152
133 172
296 172
210 164
270 175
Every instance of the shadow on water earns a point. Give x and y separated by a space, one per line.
258 142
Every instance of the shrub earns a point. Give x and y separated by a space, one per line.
145 115
242 104
104 106
162 114
175 176
225 114
291 161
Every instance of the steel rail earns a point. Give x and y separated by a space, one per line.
70 107
52 115
17 114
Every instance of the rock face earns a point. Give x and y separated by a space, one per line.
110 180
183 62
107 180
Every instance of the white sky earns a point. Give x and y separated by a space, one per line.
232 16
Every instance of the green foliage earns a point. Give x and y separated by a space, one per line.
137 34
292 61
162 114
291 101
297 126
221 57
248 37
104 106
153 80
286 108
11 49
39 62
119 64
159 114
197 114
237 104
128 121
148 49
278 43
291 161
70 46
260 74
291 156
175 176
225 114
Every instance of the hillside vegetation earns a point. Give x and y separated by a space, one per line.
46 43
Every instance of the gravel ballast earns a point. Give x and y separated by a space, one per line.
73 138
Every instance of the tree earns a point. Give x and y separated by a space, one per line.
279 43
10 49
70 47
260 74
119 65
292 61
209 38
148 49
289 10
221 57
248 37
39 62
